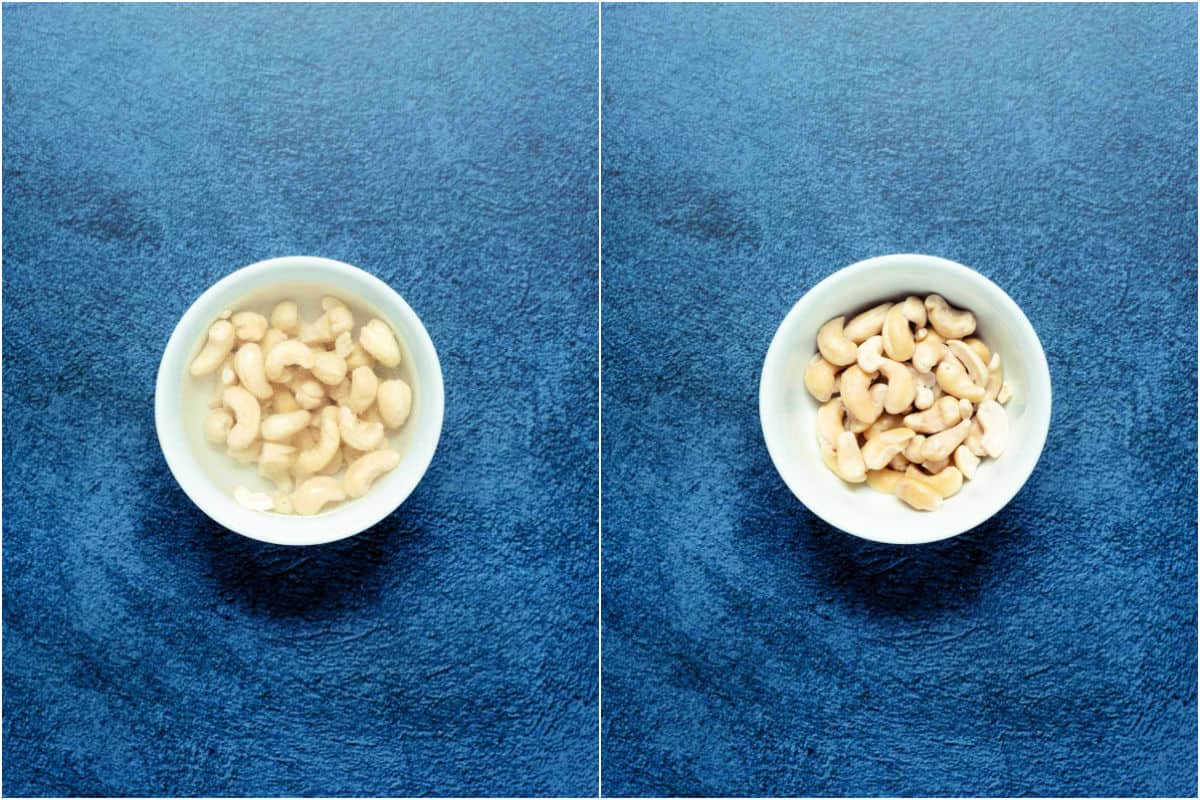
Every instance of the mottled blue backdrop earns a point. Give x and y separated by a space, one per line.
750 151
149 150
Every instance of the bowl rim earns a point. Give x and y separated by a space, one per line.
777 352
345 520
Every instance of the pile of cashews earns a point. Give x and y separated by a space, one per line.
302 400
936 411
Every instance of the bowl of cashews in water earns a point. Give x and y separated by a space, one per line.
299 401
905 399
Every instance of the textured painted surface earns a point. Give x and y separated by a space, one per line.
749 648
150 150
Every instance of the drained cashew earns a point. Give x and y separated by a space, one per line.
884 480
976 368
878 394
965 409
830 421
286 317
358 434
329 368
898 340
363 472
944 413
363 388
849 459
901 390
928 352
949 322
993 421
855 387
829 456
870 354
974 440
946 482
251 372
899 462
913 309
314 493
832 341
941 445
285 354
220 342
966 461
877 452
274 463
886 422
819 378
217 426
867 324
378 340
1004 395
335 464
281 427
395 402
249 326
953 379
316 457
981 349
995 380
918 495
248 414
912 451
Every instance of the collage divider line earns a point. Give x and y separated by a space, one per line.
599 398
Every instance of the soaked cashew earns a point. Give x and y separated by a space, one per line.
359 358
913 309
363 388
286 354
357 433
275 463
819 378
993 421
953 379
272 337
913 451
1004 395
849 459
378 340
249 326
364 472
995 379
884 480
918 495
966 461
217 425
247 413
286 317
832 341
945 482
878 452
976 367
343 345
281 427
870 354
315 493
901 389
898 340
944 413
316 457
251 371
941 445
329 368
245 455
255 501
950 323
220 343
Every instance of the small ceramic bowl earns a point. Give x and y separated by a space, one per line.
789 413
208 475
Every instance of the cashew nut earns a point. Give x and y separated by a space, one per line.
886 422
251 373
228 373
946 482
953 379
949 322
877 452
913 451
340 319
286 317
901 389
314 493
343 345
928 352
993 421
272 337
966 461
335 463
363 472
249 326
1004 395
819 377
898 340
867 324
285 354
870 354
878 394
217 426
995 380
918 495
282 502
220 342
309 394
275 461
974 440
316 332
944 413
976 368
359 358
855 386
913 309
363 388
884 480
316 457
378 340
329 368
248 414
255 501
245 455
283 402
281 427
358 434
849 459
941 445
830 421
829 456
832 341
965 409
899 462
980 348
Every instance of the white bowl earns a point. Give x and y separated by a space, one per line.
206 473
788 412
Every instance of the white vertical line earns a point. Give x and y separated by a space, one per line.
599 398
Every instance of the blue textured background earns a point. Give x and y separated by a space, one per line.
748 647
149 150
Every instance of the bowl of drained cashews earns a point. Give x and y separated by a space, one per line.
905 399
299 401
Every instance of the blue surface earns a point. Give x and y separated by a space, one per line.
149 150
748 152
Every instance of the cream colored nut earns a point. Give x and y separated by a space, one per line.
980 348
314 457
830 421
829 456
884 480
819 378
378 340
966 461
946 482
226 313
994 362
918 495
877 452
251 372
944 413
923 399
309 394
974 440
335 464
363 388
247 413
329 368
340 394
286 354
286 317
282 502
340 320
941 445
217 425
919 334
935 466
949 322
281 427
372 415
228 375
1004 395
870 354
849 459
246 455
901 389
249 326
993 420
364 472
255 501
913 309
928 352
274 463
343 345
994 382
312 495
283 402
898 340
976 368
913 451
953 379
359 358
899 462
216 348
358 434
272 337
352 454
965 409
878 395
318 332
886 422
855 386
867 324
306 438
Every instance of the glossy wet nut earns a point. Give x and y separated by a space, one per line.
366 470
316 456
946 482
286 354
249 326
897 336
917 495
941 445
379 341
218 345
283 401
976 368
830 421
879 451
855 387
329 368
309 394
273 337
901 389
884 480
944 413
966 461
275 462
255 501
953 379
363 388
849 459
281 427
867 324
870 354
286 317
315 493
819 378
340 320
357 433
949 322
993 422
217 425
247 414
343 345
246 455
359 358
251 371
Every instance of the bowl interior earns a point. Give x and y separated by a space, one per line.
208 475
789 412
